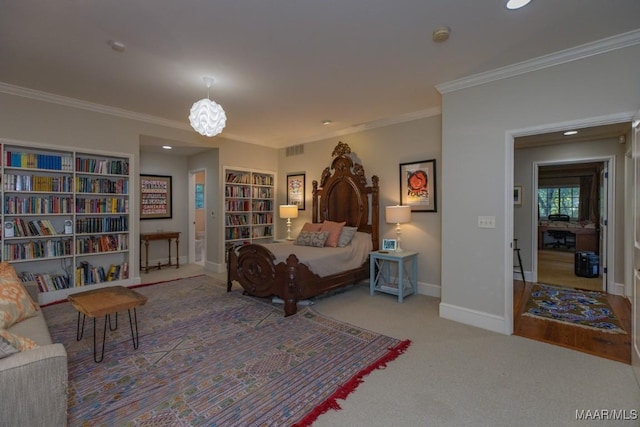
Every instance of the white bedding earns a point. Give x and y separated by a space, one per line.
326 261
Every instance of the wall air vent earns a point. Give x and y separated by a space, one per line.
295 150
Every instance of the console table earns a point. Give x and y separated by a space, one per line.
159 235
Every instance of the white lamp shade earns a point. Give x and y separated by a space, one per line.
207 117
398 214
288 211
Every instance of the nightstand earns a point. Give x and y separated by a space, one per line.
406 266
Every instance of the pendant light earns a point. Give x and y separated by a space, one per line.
206 116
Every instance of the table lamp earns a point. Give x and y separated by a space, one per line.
288 212
398 215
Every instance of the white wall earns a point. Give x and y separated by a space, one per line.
477 175
381 151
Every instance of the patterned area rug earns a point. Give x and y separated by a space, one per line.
573 306
212 358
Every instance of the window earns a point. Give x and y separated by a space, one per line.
199 196
559 200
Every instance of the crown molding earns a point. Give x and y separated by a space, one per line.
66 101
583 51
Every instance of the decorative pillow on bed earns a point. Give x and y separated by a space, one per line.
334 229
311 226
15 302
312 238
346 235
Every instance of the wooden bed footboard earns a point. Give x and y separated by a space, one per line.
252 266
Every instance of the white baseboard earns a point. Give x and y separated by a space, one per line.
429 289
475 318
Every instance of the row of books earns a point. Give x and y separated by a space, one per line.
262 205
237 205
262 179
102 166
237 233
263 218
262 232
262 193
237 178
50 184
87 274
15 205
102 185
39 161
237 191
22 228
98 244
102 205
37 249
237 219
102 225
47 281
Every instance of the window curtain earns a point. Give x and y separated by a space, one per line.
589 195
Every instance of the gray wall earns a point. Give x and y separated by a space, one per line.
381 151
477 136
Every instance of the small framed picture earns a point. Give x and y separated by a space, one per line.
517 195
389 244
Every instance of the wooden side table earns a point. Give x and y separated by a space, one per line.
380 279
159 235
105 302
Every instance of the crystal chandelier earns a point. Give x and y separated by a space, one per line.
206 116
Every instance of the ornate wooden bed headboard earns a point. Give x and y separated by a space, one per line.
345 195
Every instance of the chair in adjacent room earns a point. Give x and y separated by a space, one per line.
516 250
560 238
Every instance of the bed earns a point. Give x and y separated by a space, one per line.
291 272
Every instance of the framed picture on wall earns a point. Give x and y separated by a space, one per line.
155 197
517 195
295 190
418 185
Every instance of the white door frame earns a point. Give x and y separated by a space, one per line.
510 135
607 279
192 214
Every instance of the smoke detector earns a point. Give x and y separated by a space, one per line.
441 34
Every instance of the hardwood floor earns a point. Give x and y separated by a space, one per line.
611 346
556 267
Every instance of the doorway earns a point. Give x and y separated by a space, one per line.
197 217
571 223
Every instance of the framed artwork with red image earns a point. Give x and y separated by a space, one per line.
418 185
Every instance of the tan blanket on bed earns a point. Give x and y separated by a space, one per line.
326 261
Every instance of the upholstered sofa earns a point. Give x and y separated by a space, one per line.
33 378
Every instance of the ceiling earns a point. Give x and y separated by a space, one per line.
282 67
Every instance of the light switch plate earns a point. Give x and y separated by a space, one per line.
486 222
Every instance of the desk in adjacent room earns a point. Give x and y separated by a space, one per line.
586 237
159 235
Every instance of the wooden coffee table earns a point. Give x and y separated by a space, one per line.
105 302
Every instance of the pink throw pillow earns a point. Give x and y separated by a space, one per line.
334 229
312 227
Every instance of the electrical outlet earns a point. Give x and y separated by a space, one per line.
486 222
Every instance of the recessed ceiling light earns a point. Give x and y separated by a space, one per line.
570 132
167 147
326 122
115 45
517 4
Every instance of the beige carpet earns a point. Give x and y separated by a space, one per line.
557 268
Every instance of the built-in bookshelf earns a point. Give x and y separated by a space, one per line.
249 206
65 218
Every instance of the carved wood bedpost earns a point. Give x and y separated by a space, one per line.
375 215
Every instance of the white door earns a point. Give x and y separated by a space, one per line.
635 297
